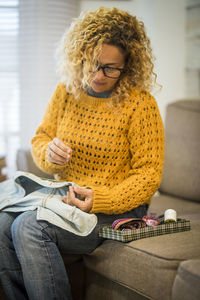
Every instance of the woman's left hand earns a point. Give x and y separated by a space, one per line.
85 204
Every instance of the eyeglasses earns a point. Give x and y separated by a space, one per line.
111 72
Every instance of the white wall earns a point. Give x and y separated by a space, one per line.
193 49
42 23
169 48
165 25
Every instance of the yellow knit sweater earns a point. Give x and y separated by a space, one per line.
119 154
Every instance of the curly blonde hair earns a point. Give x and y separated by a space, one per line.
81 46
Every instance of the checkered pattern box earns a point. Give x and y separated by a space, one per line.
148 231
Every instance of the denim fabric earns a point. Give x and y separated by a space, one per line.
29 192
31 265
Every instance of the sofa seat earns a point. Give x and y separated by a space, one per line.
148 266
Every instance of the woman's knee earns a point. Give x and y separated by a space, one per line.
6 220
22 227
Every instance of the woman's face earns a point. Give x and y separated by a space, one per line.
111 57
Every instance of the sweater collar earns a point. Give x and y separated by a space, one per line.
92 93
94 101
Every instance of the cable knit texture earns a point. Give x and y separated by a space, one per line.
117 153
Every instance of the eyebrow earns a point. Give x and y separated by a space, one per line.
108 64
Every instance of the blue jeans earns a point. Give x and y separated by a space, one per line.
31 266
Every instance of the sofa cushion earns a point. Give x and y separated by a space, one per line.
149 265
187 281
184 208
182 132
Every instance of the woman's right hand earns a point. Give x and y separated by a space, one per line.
58 152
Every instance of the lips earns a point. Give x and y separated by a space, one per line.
98 83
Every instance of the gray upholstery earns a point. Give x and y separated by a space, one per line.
99 286
25 163
187 282
181 175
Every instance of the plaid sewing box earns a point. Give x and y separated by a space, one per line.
147 231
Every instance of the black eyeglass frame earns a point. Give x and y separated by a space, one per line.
106 67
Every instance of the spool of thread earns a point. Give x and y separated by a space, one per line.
170 215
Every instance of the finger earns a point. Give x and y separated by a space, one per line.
57 154
60 144
83 191
74 200
67 199
83 205
55 149
64 199
71 193
53 157
57 158
71 199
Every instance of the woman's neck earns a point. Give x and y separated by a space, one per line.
105 94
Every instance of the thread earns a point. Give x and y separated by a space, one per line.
170 215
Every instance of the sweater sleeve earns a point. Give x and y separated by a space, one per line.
146 140
47 131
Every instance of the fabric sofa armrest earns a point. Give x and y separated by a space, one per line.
24 162
187 282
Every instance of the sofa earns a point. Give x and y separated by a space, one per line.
161 267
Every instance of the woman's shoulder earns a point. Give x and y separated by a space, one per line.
60 94
140 98
61 88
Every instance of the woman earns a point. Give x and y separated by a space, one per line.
102 130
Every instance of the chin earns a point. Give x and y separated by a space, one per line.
99 89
